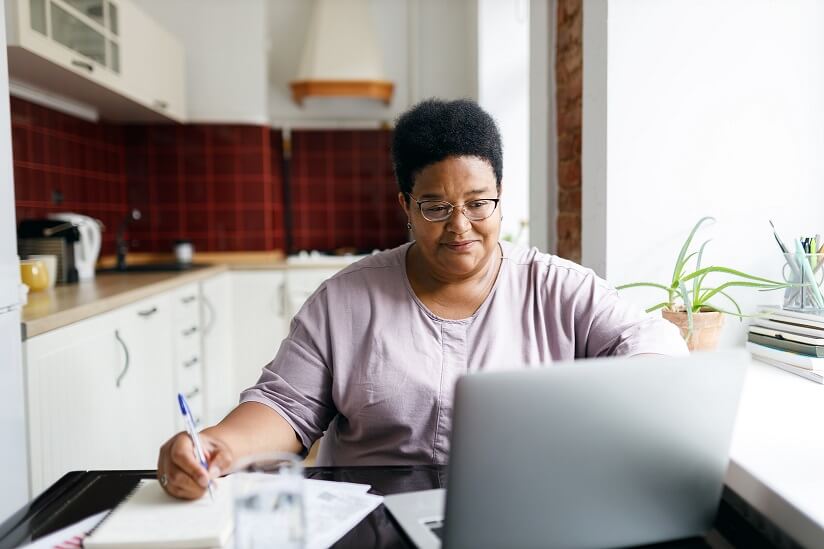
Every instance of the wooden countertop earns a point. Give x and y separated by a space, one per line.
68 303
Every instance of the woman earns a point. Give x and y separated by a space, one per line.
373 356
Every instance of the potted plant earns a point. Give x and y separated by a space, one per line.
692 304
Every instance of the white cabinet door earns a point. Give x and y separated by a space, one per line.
264 304
260 322
218 359
147 399
154 68
73 399
64 34
301 282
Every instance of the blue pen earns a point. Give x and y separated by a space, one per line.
190 428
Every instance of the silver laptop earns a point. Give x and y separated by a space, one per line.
599 453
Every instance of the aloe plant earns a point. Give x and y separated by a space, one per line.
688 289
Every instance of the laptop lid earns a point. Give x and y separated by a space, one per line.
597 453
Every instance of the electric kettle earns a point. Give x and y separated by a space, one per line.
87 248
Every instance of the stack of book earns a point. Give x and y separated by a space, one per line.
789 340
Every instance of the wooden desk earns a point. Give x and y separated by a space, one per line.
81 494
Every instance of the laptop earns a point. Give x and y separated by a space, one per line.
598 453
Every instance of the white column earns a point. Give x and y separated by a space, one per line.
504 92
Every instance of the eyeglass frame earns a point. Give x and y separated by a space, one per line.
453 207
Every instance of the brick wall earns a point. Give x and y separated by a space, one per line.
568 78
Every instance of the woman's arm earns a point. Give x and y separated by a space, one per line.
250 428
253 428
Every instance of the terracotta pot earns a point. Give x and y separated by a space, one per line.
706 327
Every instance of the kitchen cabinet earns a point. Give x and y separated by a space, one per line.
302 283
147 403
216 334
260 322
227 56
104 53
73 386
264 303
187 357
101 392
154 64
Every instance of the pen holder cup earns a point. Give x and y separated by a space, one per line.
269 502
806 273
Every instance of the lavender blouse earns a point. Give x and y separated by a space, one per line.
369 364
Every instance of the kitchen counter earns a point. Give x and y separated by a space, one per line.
68 303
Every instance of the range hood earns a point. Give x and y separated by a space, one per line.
341 57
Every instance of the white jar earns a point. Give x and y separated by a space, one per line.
184 251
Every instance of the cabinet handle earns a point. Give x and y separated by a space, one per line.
282 299
160 104
190 331
191 362
83 65
193 393
147 312
126 362
188 299
207 305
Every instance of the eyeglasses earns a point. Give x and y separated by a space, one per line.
440 210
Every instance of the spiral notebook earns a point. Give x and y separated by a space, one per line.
148 517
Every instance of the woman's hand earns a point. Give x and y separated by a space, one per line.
250 428
179 471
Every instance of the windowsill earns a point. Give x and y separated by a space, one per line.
778 451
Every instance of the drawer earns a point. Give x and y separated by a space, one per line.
189 375
193 394
187 331
186 352
186 306
187 346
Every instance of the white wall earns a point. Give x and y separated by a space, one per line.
503 91
709 108
226 52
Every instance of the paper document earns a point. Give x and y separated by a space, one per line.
334 508
148 517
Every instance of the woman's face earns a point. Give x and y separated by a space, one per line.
457 247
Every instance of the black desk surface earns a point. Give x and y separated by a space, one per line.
80 494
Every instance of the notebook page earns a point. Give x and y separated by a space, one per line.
150 517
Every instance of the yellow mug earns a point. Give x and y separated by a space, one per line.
34 275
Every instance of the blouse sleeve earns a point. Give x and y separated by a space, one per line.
606 324
297 384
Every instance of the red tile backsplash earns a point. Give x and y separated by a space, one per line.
219 185
62 164
208 183
342 190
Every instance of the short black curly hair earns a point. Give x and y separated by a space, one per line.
435 129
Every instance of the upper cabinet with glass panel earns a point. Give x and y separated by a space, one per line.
106 53
87 27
